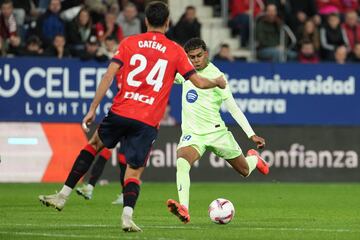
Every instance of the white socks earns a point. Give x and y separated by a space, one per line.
90 187
251 161
183 181
66 190
127 212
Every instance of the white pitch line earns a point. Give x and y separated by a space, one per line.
339 230
302 229
171 227
120 236
70 235
60 225
97 226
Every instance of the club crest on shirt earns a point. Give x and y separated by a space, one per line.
186 138
191 96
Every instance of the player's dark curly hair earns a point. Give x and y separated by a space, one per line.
194 43
157 13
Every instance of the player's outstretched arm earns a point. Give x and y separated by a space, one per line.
205 83
240 118
100 93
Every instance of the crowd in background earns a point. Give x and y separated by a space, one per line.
85 29
323 30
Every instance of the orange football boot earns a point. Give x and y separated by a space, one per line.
261 165
178 210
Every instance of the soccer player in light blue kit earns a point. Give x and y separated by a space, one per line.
203 128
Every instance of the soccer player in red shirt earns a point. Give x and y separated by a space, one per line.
149 63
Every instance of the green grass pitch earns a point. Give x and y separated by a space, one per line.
263 211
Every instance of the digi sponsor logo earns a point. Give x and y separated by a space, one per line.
139 97
191 96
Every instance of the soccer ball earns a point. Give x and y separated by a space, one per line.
221 211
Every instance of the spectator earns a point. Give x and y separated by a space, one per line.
349 5
98 8
309 32
92 51
43 5
109 27
224 53
21 7
326 7
240 17
307 53
8 27
332 36
110 47
352 28
341 55
300 11
78 31
114 8
129 21
187 27
268 37
355 54
33 47
10 41
58 49
282 8
50 24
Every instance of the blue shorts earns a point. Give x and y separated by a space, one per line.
136 137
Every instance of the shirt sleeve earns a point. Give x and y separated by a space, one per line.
184 66
239 116
179 79
119 54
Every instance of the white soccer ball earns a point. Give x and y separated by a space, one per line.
221 211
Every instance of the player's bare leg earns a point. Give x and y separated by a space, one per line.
186 158
131 193
80 167
245 165
240 165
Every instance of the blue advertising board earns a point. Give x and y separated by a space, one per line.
51 90
291 94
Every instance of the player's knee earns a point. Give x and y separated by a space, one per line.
96 142
245 172
134 167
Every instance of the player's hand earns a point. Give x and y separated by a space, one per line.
259 141
88 119
220 81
